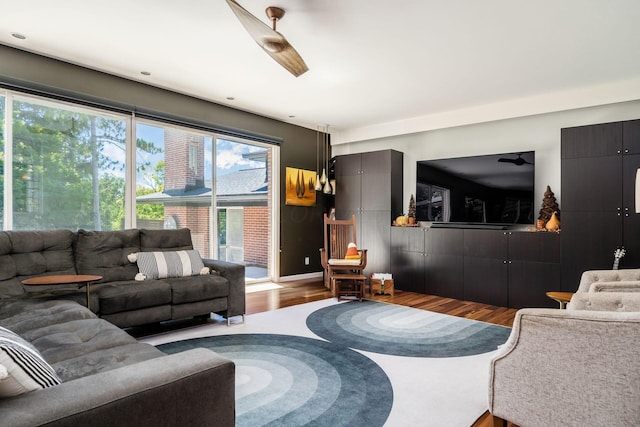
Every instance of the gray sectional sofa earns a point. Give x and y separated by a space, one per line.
107 377
118 297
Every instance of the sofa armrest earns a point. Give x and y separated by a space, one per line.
235 274
568 367
194 387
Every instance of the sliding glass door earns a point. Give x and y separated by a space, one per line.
226 207
244 208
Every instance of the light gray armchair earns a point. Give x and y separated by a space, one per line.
573 367
627 280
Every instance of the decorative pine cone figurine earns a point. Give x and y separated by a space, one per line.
412 208
549 206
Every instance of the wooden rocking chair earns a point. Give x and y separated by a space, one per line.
338 271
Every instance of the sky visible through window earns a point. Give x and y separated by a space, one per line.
228 159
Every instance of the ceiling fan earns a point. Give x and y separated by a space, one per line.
519 161
269 39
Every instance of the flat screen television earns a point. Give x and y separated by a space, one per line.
484 191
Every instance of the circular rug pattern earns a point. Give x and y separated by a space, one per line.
284 380
404 331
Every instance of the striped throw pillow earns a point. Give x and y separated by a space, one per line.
22 368
160 265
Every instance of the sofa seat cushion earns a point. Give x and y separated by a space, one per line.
197 288
105 360
76 338
131 295
25 315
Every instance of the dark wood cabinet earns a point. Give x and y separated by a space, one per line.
503 268
408 259
444 266
486 276
369 185
534 268
599 166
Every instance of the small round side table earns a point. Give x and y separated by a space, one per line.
65 279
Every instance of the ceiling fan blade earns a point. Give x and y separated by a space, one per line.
270 40
289 59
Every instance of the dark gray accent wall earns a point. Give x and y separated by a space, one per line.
300 227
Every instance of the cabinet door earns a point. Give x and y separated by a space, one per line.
485 267
591 141
589 240
376 192
591 184
534 268
444 263
530 281
350 164
376 162
408 258
535 247
631 137
631 219
348 191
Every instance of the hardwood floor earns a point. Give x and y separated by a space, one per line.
293 293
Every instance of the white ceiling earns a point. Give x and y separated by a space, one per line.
375 68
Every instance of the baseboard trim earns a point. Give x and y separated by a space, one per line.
300 277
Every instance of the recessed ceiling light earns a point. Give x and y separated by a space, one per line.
19 36
145 73
291 116
231 98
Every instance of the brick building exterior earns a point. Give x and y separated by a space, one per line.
187 199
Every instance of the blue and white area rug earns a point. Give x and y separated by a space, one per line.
404 331
287 375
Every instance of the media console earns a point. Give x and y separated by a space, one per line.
506 268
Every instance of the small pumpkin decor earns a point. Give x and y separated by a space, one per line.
402 220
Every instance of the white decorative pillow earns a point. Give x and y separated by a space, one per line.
160 265
22 368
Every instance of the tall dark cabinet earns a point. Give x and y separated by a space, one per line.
369 185
599 164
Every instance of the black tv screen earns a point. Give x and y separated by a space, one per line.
493 189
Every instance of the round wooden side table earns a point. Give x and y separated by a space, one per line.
561 297
66 279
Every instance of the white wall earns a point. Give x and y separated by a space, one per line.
540 133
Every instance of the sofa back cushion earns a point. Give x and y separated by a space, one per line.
165 240
104 253
25 254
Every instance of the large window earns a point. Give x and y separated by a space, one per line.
69 166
